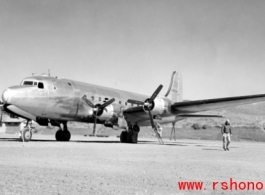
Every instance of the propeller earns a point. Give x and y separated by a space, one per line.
97 109
148 105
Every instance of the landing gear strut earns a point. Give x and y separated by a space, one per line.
130 136
63 135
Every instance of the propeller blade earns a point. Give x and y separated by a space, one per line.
155 93
88 102
151 119
155 128
135 102
107 103
95 123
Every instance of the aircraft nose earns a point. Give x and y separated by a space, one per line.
6 96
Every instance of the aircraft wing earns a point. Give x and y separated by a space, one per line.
199 116
211 104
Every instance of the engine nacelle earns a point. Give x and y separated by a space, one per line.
159 105
106 113
110 112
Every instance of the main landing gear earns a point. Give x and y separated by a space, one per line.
25 134
130 136
63 134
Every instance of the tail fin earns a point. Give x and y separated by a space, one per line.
174 92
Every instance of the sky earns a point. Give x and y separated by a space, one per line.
218 46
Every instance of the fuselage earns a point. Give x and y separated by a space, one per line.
61 99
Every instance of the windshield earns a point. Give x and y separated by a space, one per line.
30 83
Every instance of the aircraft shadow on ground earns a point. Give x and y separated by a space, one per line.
17 140
9 139
71 141
94 141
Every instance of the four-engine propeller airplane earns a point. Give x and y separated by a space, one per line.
49 100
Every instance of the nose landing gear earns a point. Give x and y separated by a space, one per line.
25 134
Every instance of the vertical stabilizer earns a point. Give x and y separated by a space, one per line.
174 92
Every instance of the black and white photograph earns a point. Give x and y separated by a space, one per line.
139 97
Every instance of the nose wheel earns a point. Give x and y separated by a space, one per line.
25 134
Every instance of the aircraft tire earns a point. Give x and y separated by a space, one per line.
134 137
59 136
67 135
129 137
123 136
27 135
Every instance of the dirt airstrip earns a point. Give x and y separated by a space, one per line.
89 165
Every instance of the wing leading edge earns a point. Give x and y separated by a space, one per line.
211 104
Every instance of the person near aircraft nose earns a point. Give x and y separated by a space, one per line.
226 131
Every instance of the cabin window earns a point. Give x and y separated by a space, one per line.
131 104
69 84
40 85
99 99
35 83
125 103
92 97
119 102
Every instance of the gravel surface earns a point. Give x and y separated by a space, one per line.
90 165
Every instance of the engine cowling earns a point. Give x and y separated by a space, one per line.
109 112
158 106
106 113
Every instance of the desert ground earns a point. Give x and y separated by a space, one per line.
93 165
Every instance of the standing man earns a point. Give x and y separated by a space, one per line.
226 131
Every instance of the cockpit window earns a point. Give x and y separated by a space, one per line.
33 83
28 83
40 85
